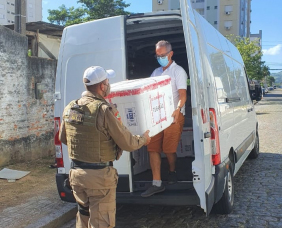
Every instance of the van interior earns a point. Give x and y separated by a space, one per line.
142 33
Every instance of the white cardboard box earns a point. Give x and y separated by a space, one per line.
144 104
185 148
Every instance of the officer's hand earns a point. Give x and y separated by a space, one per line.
148 138
119 153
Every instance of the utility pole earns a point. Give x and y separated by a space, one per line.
20 17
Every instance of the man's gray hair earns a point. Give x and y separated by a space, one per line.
164 43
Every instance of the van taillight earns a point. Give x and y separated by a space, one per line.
58 144
214 138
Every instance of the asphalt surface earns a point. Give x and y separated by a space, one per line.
258 187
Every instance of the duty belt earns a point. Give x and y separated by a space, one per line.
86 165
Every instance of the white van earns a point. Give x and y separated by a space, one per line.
219 106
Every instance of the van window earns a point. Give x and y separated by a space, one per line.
219 72
240 82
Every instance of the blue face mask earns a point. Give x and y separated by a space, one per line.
163 61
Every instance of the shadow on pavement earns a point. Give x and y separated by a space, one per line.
262 113
273 95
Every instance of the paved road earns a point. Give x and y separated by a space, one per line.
258 187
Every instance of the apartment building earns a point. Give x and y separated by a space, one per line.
7 11
227 16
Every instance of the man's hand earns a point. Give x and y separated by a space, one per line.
175 115
119 153
148 138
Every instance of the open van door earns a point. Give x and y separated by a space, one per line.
100 43
202 167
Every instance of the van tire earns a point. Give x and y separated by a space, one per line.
255 151
225 204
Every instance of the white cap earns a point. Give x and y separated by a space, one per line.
96 74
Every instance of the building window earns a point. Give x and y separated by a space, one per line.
12 4
12 21
208 7
13 13
8 11
228 9
2 6
228 25
9 21
8 3
2 16
215 7
215 22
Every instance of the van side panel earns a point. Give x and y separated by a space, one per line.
233 100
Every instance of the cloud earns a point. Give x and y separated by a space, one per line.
273 51
45 2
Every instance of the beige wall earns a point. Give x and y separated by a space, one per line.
216 14
166 5
229 20
160 7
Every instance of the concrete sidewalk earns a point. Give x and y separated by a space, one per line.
38 212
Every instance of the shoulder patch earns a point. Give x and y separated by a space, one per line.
117 115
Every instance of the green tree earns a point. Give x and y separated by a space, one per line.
97 9
270 80
265 73
66 16
88 11
251 54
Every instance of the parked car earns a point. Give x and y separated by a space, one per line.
266 90
270 88
223 121
274 87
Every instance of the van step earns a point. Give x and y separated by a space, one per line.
180 185
168 197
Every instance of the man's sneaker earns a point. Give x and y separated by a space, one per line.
172 178
153 190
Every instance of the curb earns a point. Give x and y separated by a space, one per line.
56 219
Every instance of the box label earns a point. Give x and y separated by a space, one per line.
131 116
158 109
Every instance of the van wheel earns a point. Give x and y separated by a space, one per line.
255 151
225 204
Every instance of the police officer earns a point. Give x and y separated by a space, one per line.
95 136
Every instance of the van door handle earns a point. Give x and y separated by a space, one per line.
207 135
233 99
250 109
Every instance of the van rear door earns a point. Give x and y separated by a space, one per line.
202 167
100 43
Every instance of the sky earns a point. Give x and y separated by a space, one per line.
265 16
